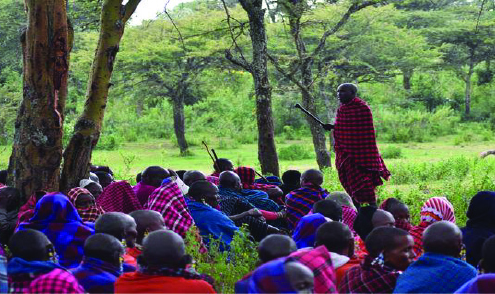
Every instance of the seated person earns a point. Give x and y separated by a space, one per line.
328 208
57 218
300 201
192 176
105 178
400 211
380 218
85 204
101 265
119 197
151 179
147 221
27 210
33 261
439 269
93 187
163 268
291 181
484 283
390 251
221 165
248 177
480 225
339 241
10 202
281 276
304 234
270 248
349 211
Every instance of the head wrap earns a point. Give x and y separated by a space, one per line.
119 196
87 214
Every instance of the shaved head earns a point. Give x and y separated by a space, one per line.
229 179
192 176
164 248
275 246
147 221
154 175
301 278
104 247
112 223
337 237
443 237
312 176
223 164
382 218
29 245
351 87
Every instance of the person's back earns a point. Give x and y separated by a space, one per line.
439 269
100 266
163 268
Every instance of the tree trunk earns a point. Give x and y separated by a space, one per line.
77 156
406 78
267 152
468 86
179 123
37 148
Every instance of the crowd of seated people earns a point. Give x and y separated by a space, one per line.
107 236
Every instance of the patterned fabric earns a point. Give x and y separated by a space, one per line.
299 202
318 260
211 222
435 273
143 192
256 198
481 284
270 278
169 201
348 217
403 224
248 175
57 218
119 196
305 232
141 283
87 214
27 210
21 273
231 203
56 281
96 276
369 277
435 209
4 282
213 180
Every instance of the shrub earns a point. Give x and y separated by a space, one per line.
108 142
392 152
294 152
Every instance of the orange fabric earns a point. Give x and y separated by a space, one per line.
340 272
141 283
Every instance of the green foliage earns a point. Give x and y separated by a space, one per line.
109 142
392 152
294 152
225 267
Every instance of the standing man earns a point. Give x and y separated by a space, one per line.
360 166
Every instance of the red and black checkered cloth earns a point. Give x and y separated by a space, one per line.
56 281
300 202
248 175
88 214
119 196
357 158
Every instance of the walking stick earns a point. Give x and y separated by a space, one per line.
309 114
208 150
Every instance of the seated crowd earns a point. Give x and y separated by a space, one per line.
107 236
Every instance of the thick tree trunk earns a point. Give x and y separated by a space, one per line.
406 78
77 156
37 149
467 99
267 152
179 124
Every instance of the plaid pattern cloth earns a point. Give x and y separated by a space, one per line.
356 150
56 281
87 214
435 209
119 196
318 260
231 203
255 198
96 276
305 232
169 201
369 278
57 218
213 180
270 278
248 176
435 273
348 217
27 210
4 282
299 202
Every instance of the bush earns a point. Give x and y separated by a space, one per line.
108 142
392 152
294 152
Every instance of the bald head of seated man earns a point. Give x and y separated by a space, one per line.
382 218
312 176
154 176
192 176
230 180
223 164
112 223
443 238
147 221
275 246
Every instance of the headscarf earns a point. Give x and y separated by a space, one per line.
481 210
87 214
57 218
119 197
271 278
342 198
248 175
435 209
305 232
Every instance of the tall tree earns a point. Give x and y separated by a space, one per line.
267 152
77 156
37 149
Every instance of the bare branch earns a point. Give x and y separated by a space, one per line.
130 7
239 62
177 29
234 40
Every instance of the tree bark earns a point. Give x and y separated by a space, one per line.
37 148
77 156
267 152
179 123
469 75
406 78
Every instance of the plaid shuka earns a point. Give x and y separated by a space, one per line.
119 197
169 201
87 214
318 260
27 210
57 218
357 158
255 198
248 175
56 281
435 209
348 217
305 233
96 275
213 180
299 202
270 278
369 278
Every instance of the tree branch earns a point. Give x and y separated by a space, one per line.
177 29
129 9
239 62
289 76
228 54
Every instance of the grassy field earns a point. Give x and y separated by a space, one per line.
423 170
